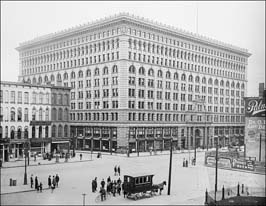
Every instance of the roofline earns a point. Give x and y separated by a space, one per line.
34 85
130 17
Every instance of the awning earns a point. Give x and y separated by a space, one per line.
59 142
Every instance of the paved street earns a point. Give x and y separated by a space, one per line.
188 184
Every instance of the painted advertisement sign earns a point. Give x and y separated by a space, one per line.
222 162
255 107
243 164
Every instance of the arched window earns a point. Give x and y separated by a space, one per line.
29 81
176 76
65 76
183 77
52 77
65 99
33 135
66 114
190 78
53 131
242 86
197 79
46 131
203 80
132 69
19 133
59 77
33 114
233 84
114 69
66 131
168 75
210 81
40 80
19 114
160 73
54 114
26 133
47 114
40 131
60 130
141 71
222 83
216 82
80 74
6 132
237 85
151 72
13 114
60 114
227 84
96 71
12 132
73 76
34 80
88 73
46 79
40 114
105 70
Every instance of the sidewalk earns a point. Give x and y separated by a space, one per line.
40 161
18 189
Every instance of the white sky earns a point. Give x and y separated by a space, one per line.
239 23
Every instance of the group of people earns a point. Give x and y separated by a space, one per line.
117 170
53 183
185 162
38 186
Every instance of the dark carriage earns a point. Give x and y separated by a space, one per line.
139 186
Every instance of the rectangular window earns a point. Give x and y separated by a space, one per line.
19 97
12 98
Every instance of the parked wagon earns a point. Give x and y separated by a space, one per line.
141 186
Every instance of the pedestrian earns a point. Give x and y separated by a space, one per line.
57 179
115 169
186 163
40 187
92 186
118 170
36 183
103 194
123 188
108 187
102 183
114 188
95 183
53 187
109 179
80 156
31 181
111 186
49 181
53 181
119 188
119 181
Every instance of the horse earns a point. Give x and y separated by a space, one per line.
159 187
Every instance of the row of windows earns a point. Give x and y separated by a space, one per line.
43 115
70 42
104 116
183 65
72 63
57 131
182 54
36 98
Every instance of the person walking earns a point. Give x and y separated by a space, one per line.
80 156
114 188
119 188
119 181
36 183
31 181
109 179
123 188
56 180
40 187
53 187
92 186
186 163
49 181
115 169
102 183
53 181
118 170
95 184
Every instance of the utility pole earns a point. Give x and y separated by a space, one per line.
260 149
25 153
216 170
170 168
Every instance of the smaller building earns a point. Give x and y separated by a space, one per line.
37 115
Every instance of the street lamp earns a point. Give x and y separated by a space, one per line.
83 198
216 170
170 168
26 148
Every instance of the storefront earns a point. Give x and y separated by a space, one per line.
60 146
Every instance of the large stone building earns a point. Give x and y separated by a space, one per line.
35 114
137 83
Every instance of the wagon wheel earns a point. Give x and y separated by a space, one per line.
98 199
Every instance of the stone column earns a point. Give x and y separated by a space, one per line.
179 137
37 131
43 131
189 137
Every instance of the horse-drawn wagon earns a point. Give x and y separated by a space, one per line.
141 186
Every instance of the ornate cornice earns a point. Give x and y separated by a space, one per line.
125 18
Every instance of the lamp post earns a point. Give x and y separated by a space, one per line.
170 168
26 147
260 149
83 198
216 170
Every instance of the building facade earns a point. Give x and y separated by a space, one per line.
140 84
33 114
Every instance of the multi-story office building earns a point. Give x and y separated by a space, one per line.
139 83
35 114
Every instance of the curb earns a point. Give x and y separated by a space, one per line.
44 164
22 191
246 171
